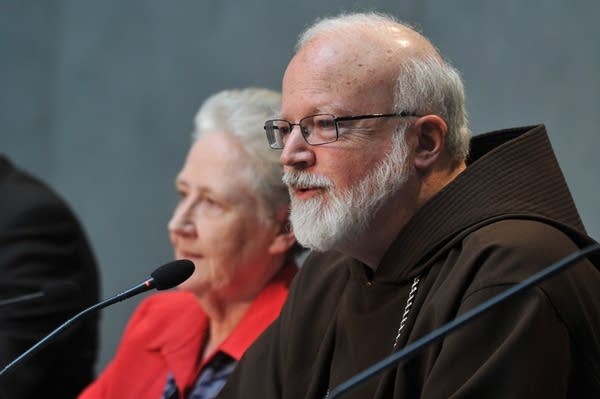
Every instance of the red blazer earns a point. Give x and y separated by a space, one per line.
167 332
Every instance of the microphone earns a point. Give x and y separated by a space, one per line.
166 276
50 292
411 349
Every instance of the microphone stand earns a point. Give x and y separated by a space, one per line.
22 298
411 349
141 287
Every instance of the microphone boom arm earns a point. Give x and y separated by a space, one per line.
165 277
22 298
141 287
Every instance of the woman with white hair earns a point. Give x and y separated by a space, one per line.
232 222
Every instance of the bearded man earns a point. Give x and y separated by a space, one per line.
412 224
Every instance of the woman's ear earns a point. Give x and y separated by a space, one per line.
284 239
430 131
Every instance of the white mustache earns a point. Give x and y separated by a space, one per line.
305 180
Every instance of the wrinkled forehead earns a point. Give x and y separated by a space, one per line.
341 57
341 71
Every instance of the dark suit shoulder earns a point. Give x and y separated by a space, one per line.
25 196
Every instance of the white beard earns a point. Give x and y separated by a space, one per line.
330 219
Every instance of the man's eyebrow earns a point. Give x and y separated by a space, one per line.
344 109
334 109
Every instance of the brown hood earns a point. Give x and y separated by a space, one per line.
510 173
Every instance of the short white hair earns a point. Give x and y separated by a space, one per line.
241 114
424 84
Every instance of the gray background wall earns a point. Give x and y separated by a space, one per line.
97 97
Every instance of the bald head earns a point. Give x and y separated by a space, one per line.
378 32
385 66
365 44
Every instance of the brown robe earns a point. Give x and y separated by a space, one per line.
509 215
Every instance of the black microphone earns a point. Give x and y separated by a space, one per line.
166 276
50 292
411 349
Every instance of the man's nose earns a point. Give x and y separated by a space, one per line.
297 152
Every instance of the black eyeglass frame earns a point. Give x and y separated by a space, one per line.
336 119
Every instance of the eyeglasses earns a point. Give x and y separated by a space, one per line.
317 129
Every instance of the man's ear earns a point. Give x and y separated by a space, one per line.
430 131
285 238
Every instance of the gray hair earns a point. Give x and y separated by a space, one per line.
241 114
425 84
